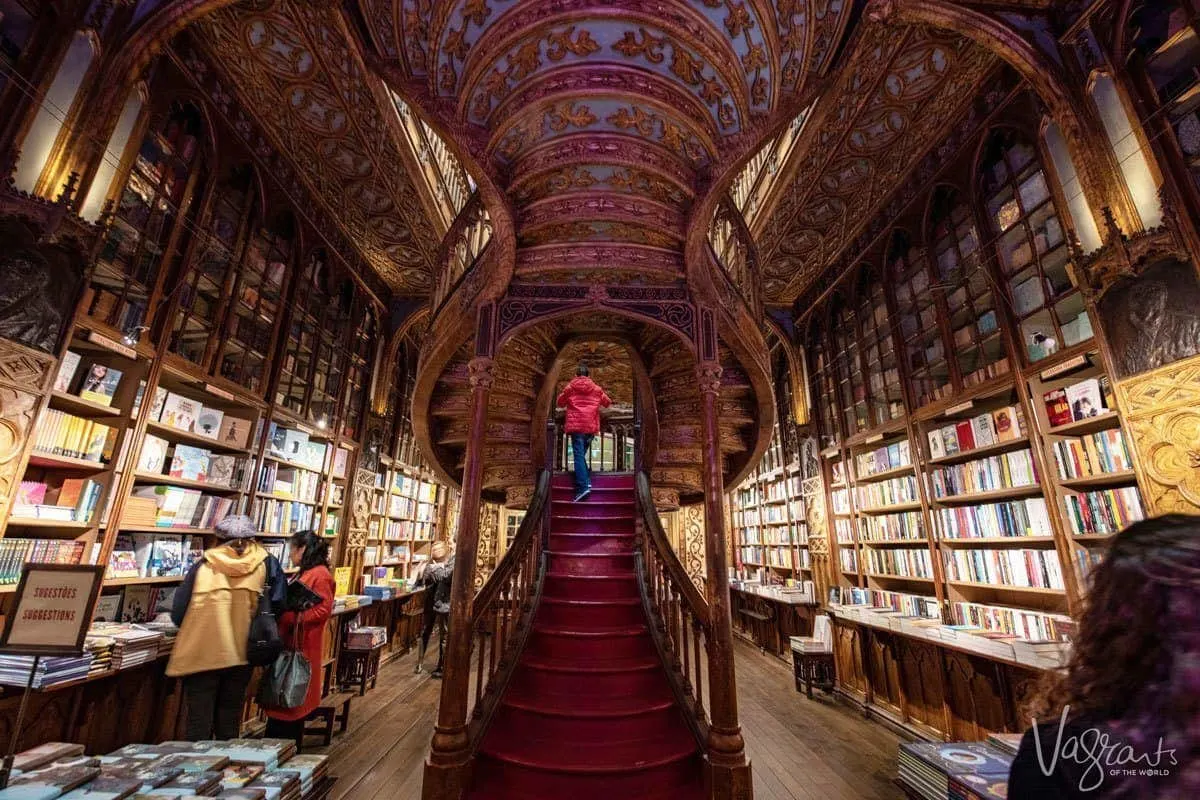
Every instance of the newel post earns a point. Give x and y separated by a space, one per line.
729 768
447 772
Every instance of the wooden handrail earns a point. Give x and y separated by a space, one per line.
502 613
679 618
511 561
657 537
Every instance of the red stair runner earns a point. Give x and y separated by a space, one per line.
589 713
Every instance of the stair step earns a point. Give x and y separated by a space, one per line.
594 646
600 480
651 720
590 587
601 493
611 543
589 614
546 769
575 524
591 563
631 676
609 503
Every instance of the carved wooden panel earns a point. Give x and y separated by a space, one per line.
39 284
691 542
360 508
977 697
923 684
1162 412
489 541
883 672
847 642
1150 320
23 372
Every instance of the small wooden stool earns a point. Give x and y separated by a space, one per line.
359 667
813 668
328 715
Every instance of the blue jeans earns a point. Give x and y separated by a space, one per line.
580 444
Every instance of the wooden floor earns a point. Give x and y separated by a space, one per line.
800 749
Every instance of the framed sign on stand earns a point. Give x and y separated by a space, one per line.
50 617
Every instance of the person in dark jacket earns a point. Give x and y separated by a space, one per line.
435 577
1121 720
304 630
213 609
582 398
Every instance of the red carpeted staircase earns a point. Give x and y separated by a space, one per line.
589 713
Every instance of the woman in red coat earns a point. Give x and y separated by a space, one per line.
305 630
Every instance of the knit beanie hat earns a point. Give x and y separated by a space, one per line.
236 526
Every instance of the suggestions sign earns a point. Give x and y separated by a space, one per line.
52 609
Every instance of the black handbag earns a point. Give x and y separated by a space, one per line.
263 644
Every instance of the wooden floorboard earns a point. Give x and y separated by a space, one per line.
800 749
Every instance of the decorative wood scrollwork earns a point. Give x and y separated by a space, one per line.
1162 412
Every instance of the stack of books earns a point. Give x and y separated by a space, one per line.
14 670
928 770
366 638
133 645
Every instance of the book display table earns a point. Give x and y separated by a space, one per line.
770 617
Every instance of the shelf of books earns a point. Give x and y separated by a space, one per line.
405 521
990 516
1094 490
770 530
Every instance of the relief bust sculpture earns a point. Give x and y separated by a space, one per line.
37 287
1152 320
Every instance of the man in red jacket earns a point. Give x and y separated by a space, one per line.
583 400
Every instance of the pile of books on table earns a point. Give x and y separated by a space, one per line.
239 769
132 645
14 670
366 638
955 770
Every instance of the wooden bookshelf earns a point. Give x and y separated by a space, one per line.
770 529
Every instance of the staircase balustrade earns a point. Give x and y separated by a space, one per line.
461 248
612 450
503 610
679 616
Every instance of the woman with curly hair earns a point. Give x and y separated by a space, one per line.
1123 719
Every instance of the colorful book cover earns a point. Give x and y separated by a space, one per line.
222 470
153 455
295 444
122 563
160 402
108 608
31 493
341 580
166 557
190 463
1004 420
66 372
179 412
983 429
1058 409
950 439
234 432
937 445
100 383
966 437
208 424
960 758
1085 399
138 605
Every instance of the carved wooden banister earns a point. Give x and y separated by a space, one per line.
734 251
678 614
462 246
503 610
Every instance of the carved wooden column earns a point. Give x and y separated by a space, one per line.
446 772
730 771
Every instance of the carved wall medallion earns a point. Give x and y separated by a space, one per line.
39 284
17 411
1162 412
1151 320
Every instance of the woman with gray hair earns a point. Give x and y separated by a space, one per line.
213 609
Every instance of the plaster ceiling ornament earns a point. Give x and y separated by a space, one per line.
902 89
293 64
603 120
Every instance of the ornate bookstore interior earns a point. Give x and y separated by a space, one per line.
896 302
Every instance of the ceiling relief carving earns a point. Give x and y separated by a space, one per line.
293 64
602 120
903 88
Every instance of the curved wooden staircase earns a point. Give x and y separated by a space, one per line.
589 712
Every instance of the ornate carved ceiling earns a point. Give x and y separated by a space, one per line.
292 63
902 88
603 119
